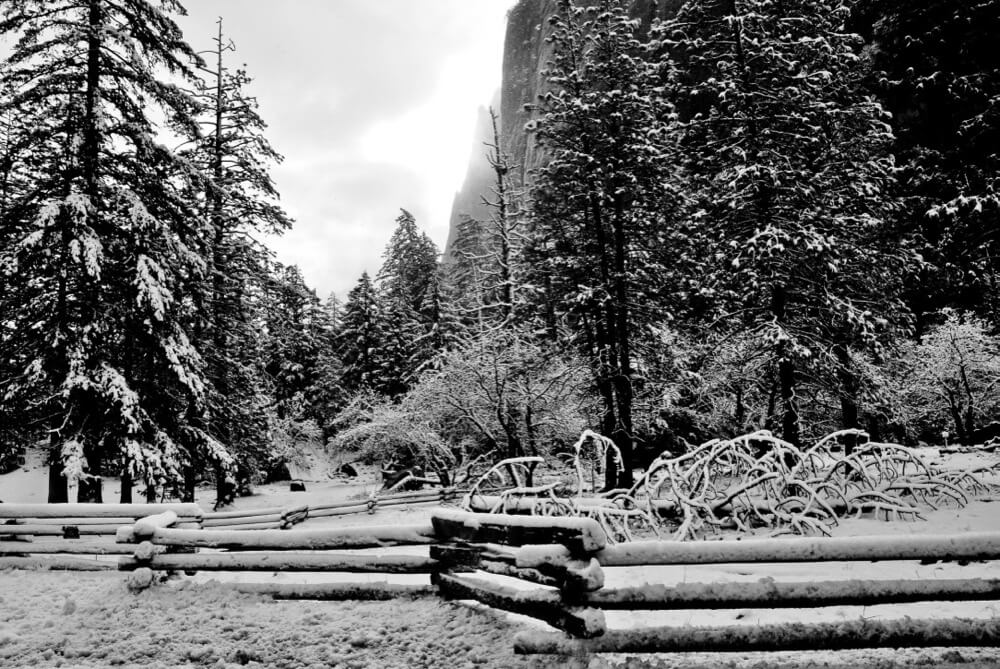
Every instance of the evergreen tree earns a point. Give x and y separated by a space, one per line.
407 291
408 265
327 397
106 248
600 202
295 324
240 205
359 337
788 167
937 69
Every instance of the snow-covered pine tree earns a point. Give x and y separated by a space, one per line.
465 284
359 337
600 203
408 264
240 205
327 397
937 69
406 284
295 323
107 243
787 164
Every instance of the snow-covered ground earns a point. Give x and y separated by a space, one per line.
92 620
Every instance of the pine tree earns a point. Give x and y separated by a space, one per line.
408 265
359 337
240 205
788 167
295 323
600 202
106 243
407 292
327 397
937 69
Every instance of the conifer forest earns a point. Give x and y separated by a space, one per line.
739 215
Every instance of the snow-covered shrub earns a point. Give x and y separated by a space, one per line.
757 480
950 379
492 396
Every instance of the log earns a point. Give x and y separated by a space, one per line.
345 537
89 530
96 510
576 576
296 511
245 520
436 499
340 511
579 535
66 547
337 505
274 525
530 575
337 592
385 564
243 513
81 520
419 494
453 556
544 605
971 546
766 593
54 564
145 527
865 633
525 504
62 530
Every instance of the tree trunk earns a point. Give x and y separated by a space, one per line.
224 490
58 485
786 373
190 480
849 386
609 425
623 335
741 411
126 494
956 415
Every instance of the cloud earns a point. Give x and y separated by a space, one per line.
372 102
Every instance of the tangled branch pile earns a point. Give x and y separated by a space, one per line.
758 480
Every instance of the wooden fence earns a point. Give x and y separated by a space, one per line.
63 536
563 561
58 536
574 557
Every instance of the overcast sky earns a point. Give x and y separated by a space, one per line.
373 104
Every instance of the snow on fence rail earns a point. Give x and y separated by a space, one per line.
53 523
573 562
277 551
48 536
24 522
569 556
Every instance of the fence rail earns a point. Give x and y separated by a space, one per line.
567 556
573 561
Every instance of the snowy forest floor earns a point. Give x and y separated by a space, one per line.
50 619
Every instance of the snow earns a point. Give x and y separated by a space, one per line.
77 619
80 620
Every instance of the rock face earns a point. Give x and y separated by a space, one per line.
526 54
478 179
